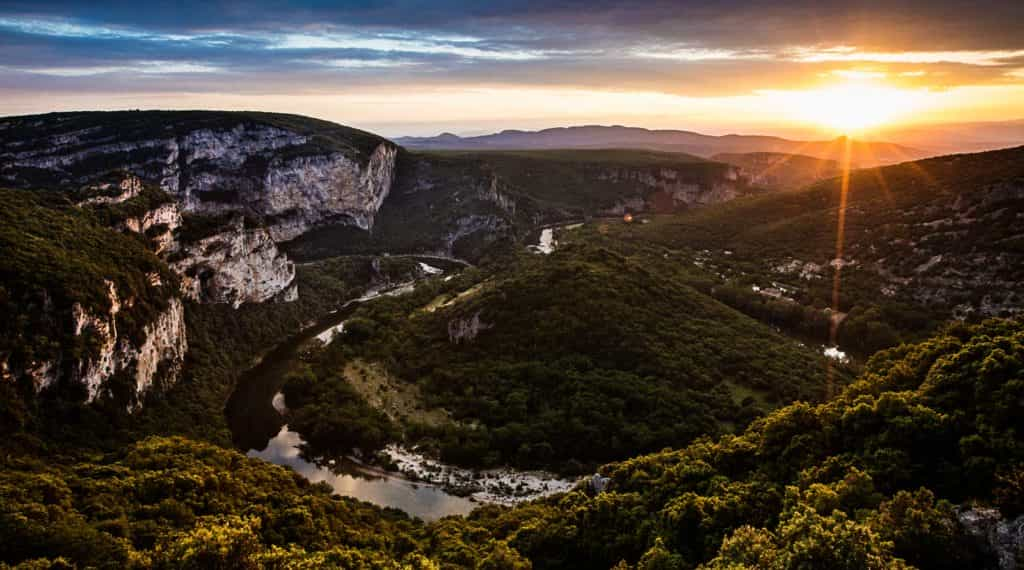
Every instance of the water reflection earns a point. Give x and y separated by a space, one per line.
424 501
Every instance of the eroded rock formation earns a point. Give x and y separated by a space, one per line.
156 353
235 265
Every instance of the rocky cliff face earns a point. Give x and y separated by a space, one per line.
235 265
159 224
954 250
466 329
211 194
214 163
671 189
254 169
780 171
304 191
284 173
156 354
1002 538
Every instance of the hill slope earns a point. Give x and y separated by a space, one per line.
459 203
868 480
85 312
567 360
917 463
778 171
923 241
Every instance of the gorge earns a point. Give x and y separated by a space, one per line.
183 289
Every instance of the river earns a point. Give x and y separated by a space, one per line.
254 414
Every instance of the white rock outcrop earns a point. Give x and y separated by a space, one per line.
160 353
305 190
129 187
668 189
237 265
166 216
466 330
1003 538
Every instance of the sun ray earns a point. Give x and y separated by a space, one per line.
915 165
844 191
786 158
876 172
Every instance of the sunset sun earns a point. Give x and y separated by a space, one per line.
854 107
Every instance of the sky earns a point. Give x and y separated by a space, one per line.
404 67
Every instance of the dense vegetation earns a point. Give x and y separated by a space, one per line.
923 241
332 416
859 482
56 256
223 343
216 360
175 503
869 480
577 358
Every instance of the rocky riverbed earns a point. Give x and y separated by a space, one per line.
503 486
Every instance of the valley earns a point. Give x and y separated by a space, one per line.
257 412
275 340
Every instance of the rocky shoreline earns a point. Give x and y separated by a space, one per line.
504 486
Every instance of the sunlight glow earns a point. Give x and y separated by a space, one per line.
852 107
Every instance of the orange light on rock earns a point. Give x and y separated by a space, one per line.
627 218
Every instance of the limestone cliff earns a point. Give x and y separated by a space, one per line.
232 264
291 173
235 265
304 191
1002 538
163 341
155 353
669 189
466 329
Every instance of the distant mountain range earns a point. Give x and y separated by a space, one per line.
864 153
907 142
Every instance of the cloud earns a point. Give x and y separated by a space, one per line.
728 48
701 54
359 63
852 54
467 48
142 67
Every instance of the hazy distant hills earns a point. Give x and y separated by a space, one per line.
864 153
959 137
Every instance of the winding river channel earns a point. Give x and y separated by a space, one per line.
254 414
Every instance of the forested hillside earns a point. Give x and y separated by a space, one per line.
64 275
922 242
897 471
648 326
900 470
561 361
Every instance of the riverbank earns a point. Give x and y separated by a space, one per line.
496 486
